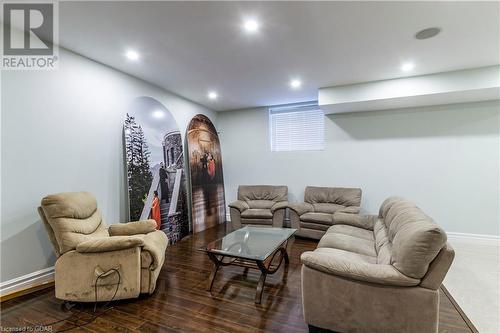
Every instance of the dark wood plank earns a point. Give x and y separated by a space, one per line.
182 304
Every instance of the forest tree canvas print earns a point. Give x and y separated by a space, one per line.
207 181
155 168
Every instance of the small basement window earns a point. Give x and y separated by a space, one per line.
297 127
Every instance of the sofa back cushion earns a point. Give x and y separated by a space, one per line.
262 193
334 195
415 238
74 218
260 204
328 208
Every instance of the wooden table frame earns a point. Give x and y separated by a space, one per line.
265 266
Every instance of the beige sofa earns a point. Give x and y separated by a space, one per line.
317 213
259 205
377 273
124 258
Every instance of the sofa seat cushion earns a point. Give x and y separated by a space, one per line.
347 255
356 267
255 213
328 208
348 243
349 230
321 218
314 226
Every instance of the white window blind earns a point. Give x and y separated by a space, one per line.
297 127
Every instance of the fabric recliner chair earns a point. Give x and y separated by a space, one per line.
261 205
125 259
377 273
316 214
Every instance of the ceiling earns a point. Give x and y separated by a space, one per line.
190 48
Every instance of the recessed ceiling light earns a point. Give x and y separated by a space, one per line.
158 114
295 83
251 25
408 66
212 95
427 33
132 55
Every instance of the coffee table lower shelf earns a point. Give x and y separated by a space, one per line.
266 267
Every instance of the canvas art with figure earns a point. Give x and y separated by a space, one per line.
155 168
207 181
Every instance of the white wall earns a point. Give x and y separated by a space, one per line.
444 158
62 131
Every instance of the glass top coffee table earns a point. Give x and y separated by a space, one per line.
250 247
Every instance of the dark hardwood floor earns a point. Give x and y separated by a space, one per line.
181 303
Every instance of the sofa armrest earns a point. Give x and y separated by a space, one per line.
349 209
239 205
156 244
279 205
335 264
301 208
132 228
106 244
355 220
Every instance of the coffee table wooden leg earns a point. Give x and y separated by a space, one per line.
285 256
215 269
260 287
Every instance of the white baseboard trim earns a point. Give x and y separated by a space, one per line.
477 239
34 279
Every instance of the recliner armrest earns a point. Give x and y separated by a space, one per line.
355 220
301 208
279 205
356 270
107 244
239 205
132 228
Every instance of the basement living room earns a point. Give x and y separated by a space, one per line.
250 166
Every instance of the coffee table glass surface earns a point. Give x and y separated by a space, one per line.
255 243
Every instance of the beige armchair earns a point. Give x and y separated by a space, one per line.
317 213
377 273
259 205
124 258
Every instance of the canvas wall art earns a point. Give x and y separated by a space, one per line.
155 168
208 205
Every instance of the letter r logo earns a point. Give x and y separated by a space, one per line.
37 23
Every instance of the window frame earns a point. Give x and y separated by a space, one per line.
290 108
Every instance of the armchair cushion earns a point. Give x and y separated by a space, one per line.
301 208
239 205
260 204
262 192
106 244
257 214
356 267
350 209
132 228
73 218
279 205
